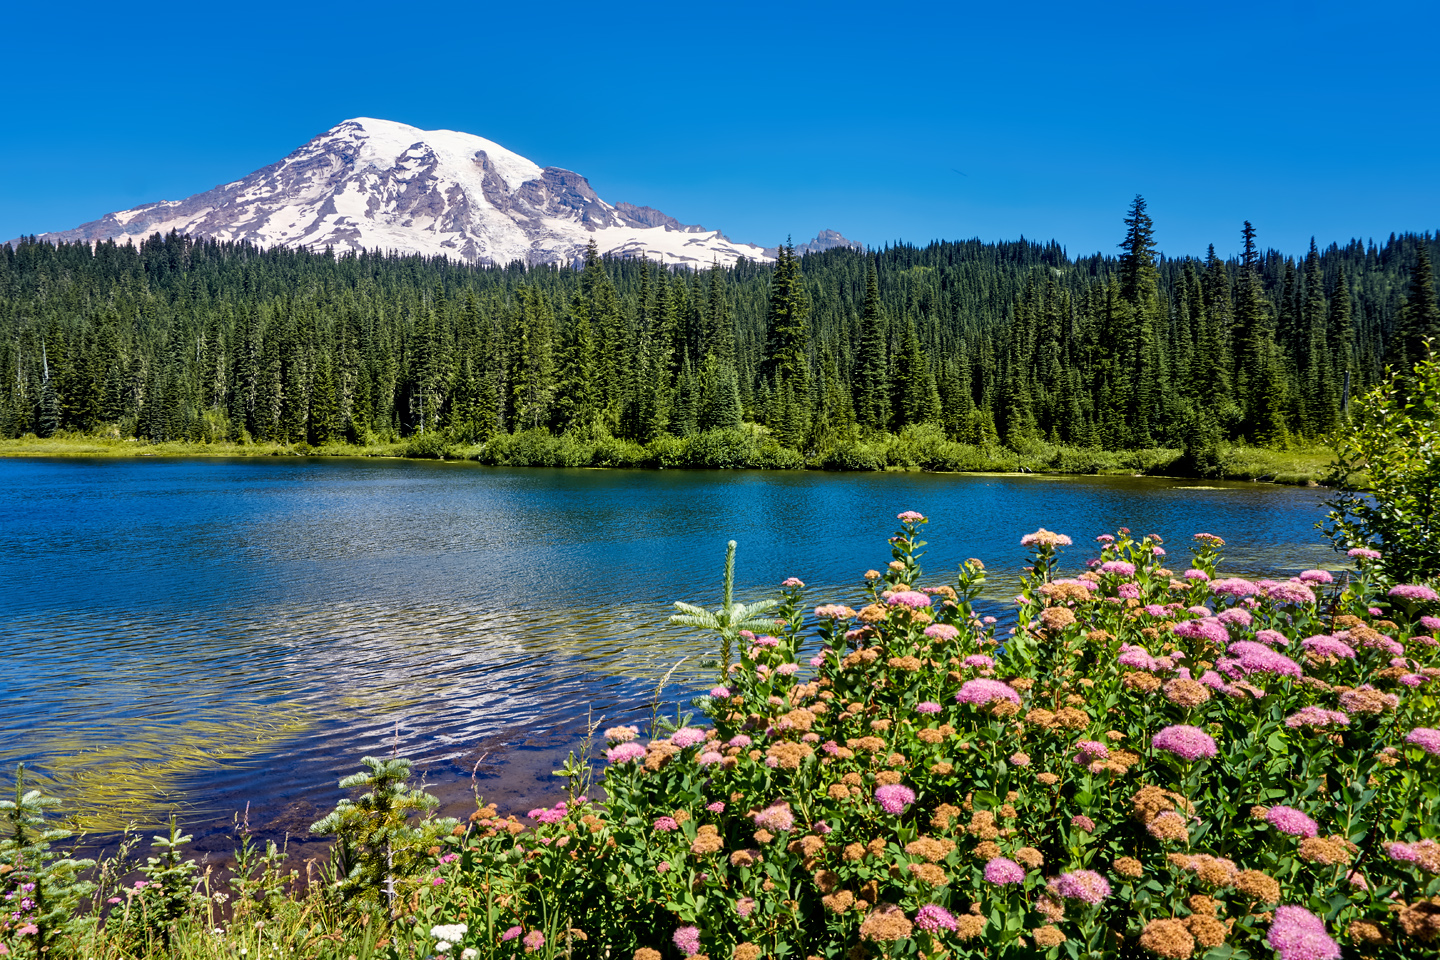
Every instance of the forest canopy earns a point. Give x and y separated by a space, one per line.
991 343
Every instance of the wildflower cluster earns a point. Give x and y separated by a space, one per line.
1150 763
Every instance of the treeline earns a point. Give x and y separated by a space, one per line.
991 343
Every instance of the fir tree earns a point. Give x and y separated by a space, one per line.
1420 319
872 381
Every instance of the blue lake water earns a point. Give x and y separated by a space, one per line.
203 635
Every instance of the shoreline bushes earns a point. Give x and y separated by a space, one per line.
738 449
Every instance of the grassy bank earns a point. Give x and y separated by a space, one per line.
919 449
1153 764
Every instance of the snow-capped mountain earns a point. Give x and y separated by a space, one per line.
383 185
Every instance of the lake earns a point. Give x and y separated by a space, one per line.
212 636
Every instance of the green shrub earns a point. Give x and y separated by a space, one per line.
1387 466
855 456
431 445
614 452
723 450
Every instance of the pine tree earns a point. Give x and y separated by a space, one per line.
324 419
786 363
1420 319
872 381
577 396
1339 338
719 396
915 387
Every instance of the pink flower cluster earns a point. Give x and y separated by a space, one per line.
1185 742
1237 616
978 661
927 707
1412 852
942 632
982 691
1413 591
932 917
910 516
687 737
1251 657
777 817
1430 623
1317 717
1291 821
1272 638
1088 751
908 598
1235 587
625 753
550 814
1122 568
1297 934
1294 592
1324 645
1193 574
1426 738
1137 657
834 611
1084 885
1206 628
688 940
792 583
667 825
1002 870
1363 553
894 798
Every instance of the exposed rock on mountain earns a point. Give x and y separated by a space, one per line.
825 240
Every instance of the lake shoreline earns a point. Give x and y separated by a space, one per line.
1308 467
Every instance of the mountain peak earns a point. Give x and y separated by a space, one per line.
380 184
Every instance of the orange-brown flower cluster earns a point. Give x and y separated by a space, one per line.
707 841
1421 920
1258 886
1168 938
886 923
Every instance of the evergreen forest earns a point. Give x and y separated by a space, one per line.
984 344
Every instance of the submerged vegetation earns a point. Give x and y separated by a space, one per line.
1158 760
951 356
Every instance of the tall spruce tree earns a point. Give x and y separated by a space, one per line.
872 381
1420 319
786 364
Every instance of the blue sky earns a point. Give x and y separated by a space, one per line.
886 121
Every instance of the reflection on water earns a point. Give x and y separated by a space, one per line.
206 634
